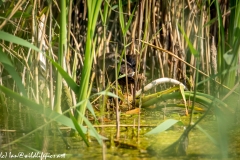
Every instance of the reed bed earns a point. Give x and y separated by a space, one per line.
60 55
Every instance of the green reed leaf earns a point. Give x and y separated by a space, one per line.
73 85
192 49
11 70
52 115
11 38
79 129
163 126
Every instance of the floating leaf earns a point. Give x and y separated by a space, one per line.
133 111
163 126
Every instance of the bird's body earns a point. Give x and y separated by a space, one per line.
129 65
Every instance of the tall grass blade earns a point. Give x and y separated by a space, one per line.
11 70
61 55
79 129
192 49
47 112
208 135
110 94
231 56
181 88
90 126
73 85
90 108
14 39
93 12
221 40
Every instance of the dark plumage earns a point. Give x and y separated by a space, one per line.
131 59
130 74
110 68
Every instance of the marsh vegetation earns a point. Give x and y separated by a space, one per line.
122 79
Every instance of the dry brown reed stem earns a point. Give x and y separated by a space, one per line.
133 51
203 50
77 47
35 59
69 27
51 53
97 126
165 11
229 93
13 11
20 20
207 44
68 50
155 28
172 54
176 16
189 29
213 57
144 53
117 105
